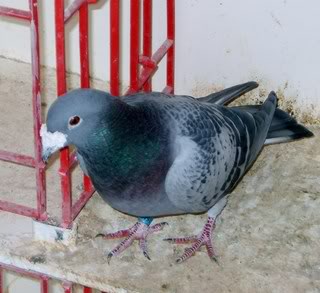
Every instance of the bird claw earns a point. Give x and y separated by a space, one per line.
215 259
204 238
138 231
183 240
146 255
110 255
179 260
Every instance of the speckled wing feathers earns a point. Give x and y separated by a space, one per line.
214 147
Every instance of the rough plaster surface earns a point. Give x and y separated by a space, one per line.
267 238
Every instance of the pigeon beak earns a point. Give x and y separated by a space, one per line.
46 153
51 142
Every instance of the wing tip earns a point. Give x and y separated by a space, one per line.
253 84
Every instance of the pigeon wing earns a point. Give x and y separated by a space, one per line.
213 149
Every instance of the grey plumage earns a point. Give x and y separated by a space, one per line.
151 155
283 128
212 147
227 95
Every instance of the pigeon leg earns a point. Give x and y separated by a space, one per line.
139 231
204 237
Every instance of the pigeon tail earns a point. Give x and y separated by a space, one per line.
283 128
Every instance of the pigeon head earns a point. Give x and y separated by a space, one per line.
72 117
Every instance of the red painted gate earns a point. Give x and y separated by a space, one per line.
142 68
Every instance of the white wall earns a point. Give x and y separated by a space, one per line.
274 42
219 43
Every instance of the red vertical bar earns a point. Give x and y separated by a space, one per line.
87 290
44 285
171 36
61 89
147 37
36 108
67 287
134 44
84 45
84 62
66 189
114 47
86 183
60 47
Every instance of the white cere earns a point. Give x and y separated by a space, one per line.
55 140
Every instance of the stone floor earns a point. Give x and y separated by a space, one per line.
267 238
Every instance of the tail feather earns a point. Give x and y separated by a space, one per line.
263 119
229 94
283 127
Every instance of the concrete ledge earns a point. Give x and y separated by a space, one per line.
267 238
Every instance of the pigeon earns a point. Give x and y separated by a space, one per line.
151 155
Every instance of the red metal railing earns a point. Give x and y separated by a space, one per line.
140 78
43 278
67 160
40 212
114 47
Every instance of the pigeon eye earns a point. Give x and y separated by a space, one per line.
74 121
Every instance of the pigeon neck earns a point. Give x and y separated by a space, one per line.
128 141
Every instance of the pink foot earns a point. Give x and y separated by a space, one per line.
139 231
204 238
